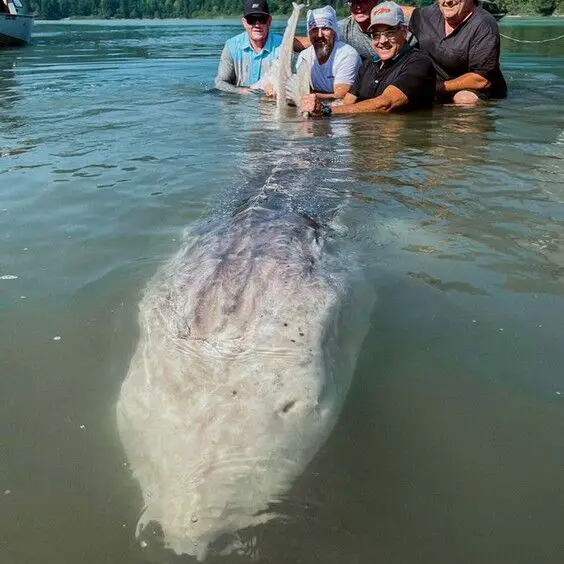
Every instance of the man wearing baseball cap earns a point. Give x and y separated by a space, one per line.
333 65
400 77
353 30
247 57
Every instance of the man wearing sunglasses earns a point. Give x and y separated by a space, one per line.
400 77
353 30
247 57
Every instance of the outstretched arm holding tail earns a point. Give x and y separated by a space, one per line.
226 78
391 99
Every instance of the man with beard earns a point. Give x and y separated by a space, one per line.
247 57
399 78
353 30
333 64
463 42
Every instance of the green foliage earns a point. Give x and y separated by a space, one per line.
56 9
544 7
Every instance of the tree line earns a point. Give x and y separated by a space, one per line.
57 9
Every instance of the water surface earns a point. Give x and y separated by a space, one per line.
450 447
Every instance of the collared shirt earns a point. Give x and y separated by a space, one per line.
240 65
350 32
411 71
473 46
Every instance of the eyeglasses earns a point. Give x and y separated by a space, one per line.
378 35
257 19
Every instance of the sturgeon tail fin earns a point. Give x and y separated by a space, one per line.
285 57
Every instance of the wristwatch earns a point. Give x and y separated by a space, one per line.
326 110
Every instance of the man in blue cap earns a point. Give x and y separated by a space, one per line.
247 57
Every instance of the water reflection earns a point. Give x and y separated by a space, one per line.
10 122
8 91
443 141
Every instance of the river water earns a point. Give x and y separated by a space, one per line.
450 448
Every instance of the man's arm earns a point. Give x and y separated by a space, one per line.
407 11
468 81
301 43
339 92
391 99
226 78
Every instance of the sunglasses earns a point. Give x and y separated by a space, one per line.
388 34
257 19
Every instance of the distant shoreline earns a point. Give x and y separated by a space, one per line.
276 17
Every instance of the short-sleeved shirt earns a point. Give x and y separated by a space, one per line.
472 47
248 67
410 70
340 68
350 33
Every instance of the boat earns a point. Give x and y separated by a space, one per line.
15 24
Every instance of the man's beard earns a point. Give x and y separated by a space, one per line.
322 50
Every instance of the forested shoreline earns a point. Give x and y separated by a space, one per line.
58 9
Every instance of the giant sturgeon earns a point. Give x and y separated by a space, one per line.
248 341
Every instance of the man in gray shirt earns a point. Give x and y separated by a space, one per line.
354 29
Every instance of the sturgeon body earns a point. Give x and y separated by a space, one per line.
248 341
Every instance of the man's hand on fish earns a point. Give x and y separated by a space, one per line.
268 90
310 104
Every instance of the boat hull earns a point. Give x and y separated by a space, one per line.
15 29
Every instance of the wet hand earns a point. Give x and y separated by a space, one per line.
269 91
310 104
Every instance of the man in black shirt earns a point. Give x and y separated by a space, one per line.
398 78
463 42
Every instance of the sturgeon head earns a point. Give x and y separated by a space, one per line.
238 378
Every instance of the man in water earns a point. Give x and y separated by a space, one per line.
463 42
247 57
399 78
333 64
353 30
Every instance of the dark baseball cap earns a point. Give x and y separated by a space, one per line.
255 7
